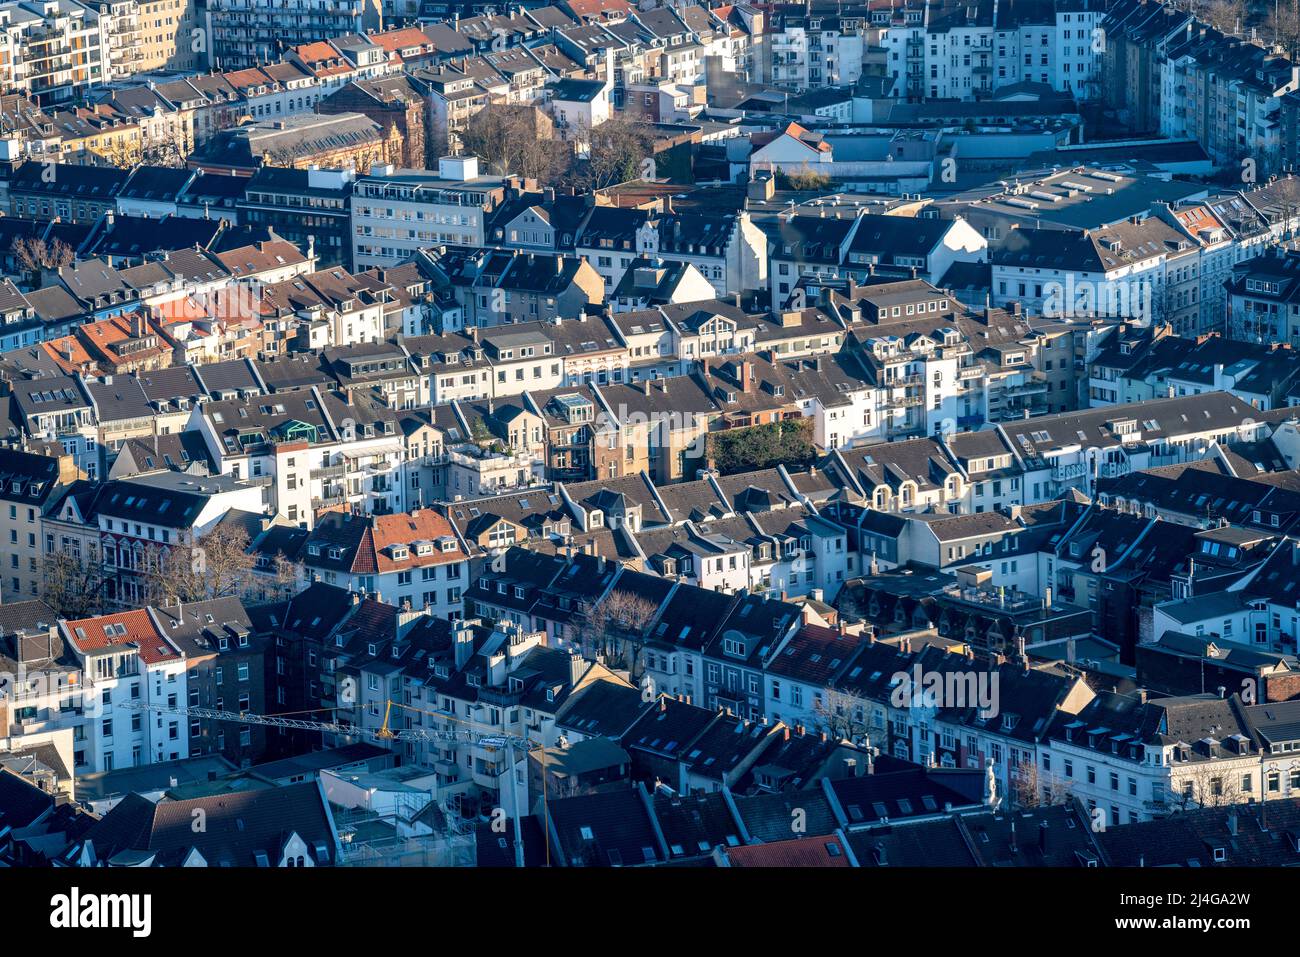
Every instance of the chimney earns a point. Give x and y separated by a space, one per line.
577 666
747 376
463 643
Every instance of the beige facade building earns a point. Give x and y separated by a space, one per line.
169 37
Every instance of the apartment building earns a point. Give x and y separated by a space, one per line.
27 483
945 50
42 704
398 212
58 49
407 559
245 33
168 37
813 51
308 207
1136 758
127 660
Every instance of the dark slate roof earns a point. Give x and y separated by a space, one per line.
157 183
99 183
769 817
35 475
916 792
21 802
695 824
498 850
240 826
606 708
1191 837
171 499
620 828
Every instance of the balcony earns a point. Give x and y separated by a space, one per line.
1032 387
905 402
25 726
905 380
1068 473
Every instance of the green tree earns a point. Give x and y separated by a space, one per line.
788 442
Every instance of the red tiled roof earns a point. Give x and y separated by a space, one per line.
91 634
803 852
406 528
396 40
56 350
599 8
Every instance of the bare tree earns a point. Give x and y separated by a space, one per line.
276 580
36 256
1287 192
165 152
618 151
279 157
72 586
1033 787
846 717
616 628
513 139
1226 16
218 565
1206 787
1283 22
120 152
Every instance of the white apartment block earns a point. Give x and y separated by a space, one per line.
127 661
395 213
54 50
